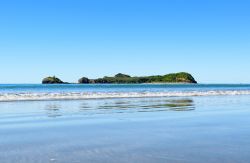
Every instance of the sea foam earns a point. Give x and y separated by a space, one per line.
100 95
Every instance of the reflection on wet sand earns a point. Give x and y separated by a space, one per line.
181 105
53 110
111 106
139 105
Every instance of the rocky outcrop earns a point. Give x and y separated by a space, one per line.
84 80
52 80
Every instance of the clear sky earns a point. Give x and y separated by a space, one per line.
93 38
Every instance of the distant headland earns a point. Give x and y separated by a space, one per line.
181 77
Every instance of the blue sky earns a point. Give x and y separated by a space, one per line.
93 38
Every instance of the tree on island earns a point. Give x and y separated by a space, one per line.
120 75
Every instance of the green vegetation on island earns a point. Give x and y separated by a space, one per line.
52 80
84 80
181 77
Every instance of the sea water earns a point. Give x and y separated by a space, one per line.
124 123
94 91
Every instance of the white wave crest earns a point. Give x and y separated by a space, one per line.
99 95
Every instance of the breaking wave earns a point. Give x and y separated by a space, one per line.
100 95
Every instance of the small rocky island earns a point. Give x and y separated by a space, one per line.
181 77
52 80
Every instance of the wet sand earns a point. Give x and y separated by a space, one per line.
148 130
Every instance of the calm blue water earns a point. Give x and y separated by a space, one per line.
22 88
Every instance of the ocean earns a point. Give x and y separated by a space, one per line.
25 92
124 123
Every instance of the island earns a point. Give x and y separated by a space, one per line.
181 77
52 80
